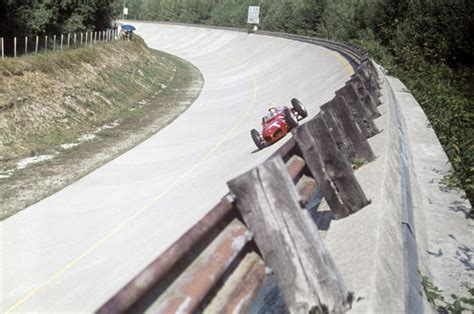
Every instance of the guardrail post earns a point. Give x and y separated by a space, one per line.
365 97
36 44
346 133
74 40
68 39
91 39
62 39
14 47
54 42
289 240
361 114
26 45
45 43
330 168
86 38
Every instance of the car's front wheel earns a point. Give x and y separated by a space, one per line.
257 139
299 108
291 119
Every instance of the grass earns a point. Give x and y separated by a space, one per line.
75 92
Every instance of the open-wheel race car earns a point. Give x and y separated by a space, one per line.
278 122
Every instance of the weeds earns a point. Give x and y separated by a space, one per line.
434 295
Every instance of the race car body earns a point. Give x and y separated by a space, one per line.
278 122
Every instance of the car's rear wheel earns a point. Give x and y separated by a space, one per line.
291 119
257 139
299 108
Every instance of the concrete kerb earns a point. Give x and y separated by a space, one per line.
368 246
443 234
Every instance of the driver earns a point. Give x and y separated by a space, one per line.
272 111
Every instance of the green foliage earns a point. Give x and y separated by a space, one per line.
29 17
357 163
435 296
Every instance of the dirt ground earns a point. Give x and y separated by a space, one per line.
60 121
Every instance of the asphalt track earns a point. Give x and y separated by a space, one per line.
73 250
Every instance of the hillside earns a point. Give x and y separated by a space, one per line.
64 114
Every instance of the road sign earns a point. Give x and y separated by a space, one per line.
125 11
253 16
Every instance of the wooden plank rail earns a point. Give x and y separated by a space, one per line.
361 115
162 277
289 240
330 168
347 135
365 97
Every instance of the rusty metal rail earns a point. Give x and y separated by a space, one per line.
191 273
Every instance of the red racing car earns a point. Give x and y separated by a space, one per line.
278 122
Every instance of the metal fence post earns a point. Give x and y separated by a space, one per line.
54 42
36 45
62 37
14 47
26 45
3 55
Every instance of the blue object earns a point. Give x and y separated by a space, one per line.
128 28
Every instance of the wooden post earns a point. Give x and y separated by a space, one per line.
68 40
366 98
45 43
359 111
3 53
54 42
62 37
330 168
345 131
26 45
14 47
289 240
36 45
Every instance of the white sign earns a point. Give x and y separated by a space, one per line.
125 11
253 16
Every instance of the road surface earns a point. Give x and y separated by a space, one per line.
76 248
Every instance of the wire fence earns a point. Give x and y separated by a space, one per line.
27 45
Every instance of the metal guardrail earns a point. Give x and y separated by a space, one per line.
217 266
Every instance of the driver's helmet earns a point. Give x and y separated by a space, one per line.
272 108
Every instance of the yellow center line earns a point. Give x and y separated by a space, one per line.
121 225
344 61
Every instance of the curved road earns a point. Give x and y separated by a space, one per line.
73 250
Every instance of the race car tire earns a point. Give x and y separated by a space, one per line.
257 139
299 108
291 119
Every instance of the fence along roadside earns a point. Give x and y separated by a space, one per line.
154 287
37 44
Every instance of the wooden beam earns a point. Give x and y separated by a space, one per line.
330 168
369 100
289 240
359 111
345 131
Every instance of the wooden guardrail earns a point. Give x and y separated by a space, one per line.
220 264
